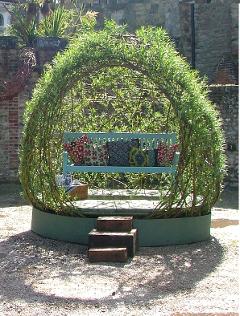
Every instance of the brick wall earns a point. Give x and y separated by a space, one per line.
11 111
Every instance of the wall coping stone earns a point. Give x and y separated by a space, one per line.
8 42
50 42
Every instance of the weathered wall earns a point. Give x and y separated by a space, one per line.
234 27
136 13
11 111
226 99
216 37
9 138
215 27
213 35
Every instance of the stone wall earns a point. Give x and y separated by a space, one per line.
213 35
216 36
226 99
210 38
136 13
234 27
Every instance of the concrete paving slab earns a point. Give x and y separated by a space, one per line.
117 207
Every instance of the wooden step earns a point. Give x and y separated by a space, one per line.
98 239
107 254
114 223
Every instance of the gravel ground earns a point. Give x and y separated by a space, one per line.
45 277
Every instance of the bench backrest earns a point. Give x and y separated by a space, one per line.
146 140
151 139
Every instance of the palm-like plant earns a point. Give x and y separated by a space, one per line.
56 23
25 22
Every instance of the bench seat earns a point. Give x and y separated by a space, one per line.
117 169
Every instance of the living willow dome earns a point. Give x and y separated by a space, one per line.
112 81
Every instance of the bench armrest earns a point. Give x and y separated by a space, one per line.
65 162
176 158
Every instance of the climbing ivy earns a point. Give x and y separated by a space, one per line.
111 80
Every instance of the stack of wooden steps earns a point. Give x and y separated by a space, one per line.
113 240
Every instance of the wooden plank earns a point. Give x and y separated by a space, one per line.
112 239
114 223
107 254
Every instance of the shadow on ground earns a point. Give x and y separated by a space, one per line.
11 195
34 269
228 199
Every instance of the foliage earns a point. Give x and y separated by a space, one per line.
57 21
110 80
23 27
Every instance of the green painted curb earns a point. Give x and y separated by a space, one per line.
152 232
173 231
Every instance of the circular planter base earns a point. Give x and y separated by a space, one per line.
151 232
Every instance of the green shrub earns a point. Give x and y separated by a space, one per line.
141 82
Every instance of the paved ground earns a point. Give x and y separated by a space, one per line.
45 277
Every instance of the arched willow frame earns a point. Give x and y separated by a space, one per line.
150 53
